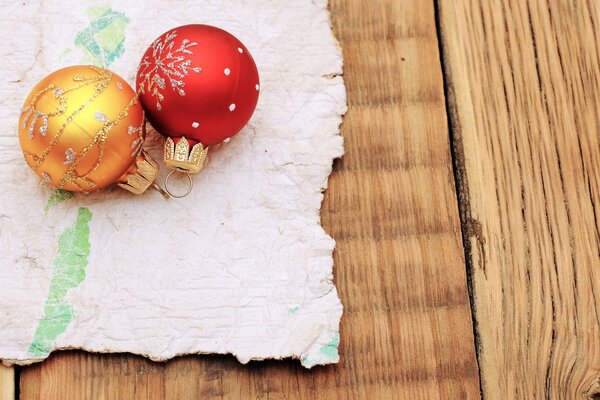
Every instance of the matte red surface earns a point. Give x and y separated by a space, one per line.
209 94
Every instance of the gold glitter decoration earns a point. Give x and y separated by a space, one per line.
90 131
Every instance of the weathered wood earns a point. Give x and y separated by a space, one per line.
7 383
525 83
391 206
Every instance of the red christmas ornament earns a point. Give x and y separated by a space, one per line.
199 86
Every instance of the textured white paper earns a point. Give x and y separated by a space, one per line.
240 266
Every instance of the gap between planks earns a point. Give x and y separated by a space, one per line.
469 226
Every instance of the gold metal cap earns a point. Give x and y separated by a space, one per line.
141 175
180 158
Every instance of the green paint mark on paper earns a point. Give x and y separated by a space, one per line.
309 362
58 197
103 39
293 310
327 353
68 272
330 350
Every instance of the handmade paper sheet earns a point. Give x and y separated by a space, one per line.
241 265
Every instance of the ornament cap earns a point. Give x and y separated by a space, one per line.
181 158
141 175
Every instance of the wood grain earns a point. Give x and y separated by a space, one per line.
391 206
7 383
524 80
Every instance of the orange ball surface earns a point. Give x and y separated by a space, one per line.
81 128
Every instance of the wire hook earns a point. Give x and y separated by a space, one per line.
190 185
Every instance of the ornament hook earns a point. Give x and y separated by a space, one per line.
190 185
161 191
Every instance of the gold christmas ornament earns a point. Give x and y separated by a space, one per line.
82 129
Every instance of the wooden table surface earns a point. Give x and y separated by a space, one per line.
464 209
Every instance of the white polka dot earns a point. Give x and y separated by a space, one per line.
240 50
227 140
257 87
195 124
227 71
231 107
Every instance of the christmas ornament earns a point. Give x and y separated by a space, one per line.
199 86
82 129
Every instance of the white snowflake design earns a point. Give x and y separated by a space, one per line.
166 64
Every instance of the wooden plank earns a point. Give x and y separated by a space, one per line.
7 383
525 79
392 208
